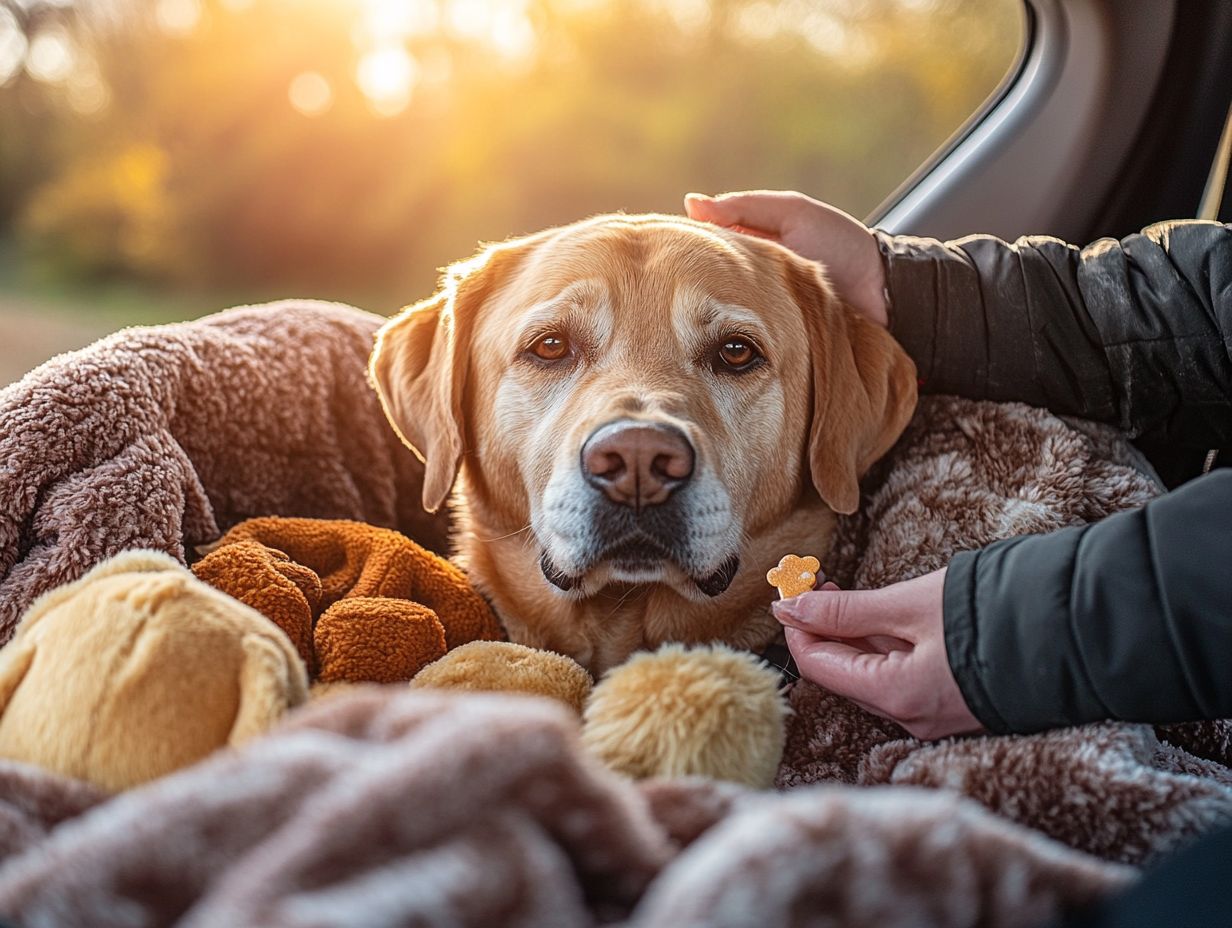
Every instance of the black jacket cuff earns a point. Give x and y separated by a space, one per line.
1129 618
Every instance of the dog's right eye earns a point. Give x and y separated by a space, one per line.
551 347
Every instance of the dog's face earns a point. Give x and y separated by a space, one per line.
638 403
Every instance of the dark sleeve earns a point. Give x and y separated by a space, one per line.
1129 618
1135 333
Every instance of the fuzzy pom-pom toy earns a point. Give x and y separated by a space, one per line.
361 603
704 711
138 669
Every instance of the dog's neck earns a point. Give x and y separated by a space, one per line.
600 631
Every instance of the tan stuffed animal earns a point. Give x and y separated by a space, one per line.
138 669
499 666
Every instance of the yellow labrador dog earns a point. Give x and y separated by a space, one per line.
645 413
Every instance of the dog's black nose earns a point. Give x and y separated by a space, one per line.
637 463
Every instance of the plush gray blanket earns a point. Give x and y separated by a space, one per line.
390 807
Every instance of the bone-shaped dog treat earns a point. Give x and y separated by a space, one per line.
794 575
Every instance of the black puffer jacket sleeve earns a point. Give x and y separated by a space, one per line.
1135 333
1129 618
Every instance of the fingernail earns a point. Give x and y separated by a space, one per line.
698 196
785 609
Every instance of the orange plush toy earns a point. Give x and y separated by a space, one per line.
361 604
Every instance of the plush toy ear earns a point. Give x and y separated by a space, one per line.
134 561
420 363
864 388
17 656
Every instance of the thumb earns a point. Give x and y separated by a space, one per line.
834 614
757 212
840 668
705 208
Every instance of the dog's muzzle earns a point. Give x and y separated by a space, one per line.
640 510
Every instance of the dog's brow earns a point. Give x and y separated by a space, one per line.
545 313
564 306
714 314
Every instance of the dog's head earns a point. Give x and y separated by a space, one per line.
647 393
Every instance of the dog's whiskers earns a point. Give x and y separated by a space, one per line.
524 528
624 596
783 669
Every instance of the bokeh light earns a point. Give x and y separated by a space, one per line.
392 20
386 75
50 58
13 46
310 93
87 92
178 17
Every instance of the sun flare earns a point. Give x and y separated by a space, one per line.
387 72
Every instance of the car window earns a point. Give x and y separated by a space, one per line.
163 159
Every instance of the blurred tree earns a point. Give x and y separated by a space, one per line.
349 148
111 214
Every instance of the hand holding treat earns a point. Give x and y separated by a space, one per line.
794 575
882 649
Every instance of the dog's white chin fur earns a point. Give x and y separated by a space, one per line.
603 575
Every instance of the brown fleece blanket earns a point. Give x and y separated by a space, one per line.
394 807
164 437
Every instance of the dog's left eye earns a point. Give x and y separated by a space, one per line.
551 347
736 355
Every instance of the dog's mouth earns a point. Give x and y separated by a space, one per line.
641 560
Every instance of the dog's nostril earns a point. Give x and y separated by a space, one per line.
672 466
610 465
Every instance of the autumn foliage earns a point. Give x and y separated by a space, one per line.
349 148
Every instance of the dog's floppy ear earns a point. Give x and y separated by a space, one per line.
420 363
864 388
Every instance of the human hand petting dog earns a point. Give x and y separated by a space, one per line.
882 649
811 229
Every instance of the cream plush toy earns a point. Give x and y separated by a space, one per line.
138 669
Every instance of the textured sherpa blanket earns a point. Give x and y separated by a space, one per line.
164 437
396 807
471 811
